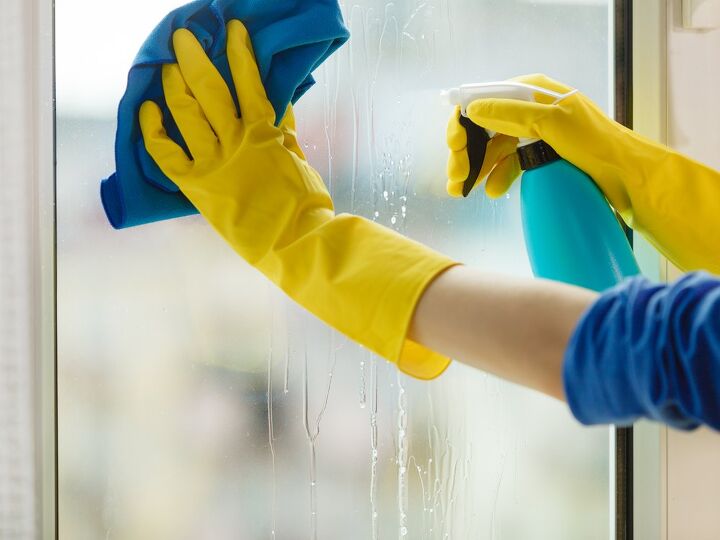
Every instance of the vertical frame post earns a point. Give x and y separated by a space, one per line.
28 442
622 18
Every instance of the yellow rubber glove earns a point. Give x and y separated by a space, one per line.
251 181
670 199
500 166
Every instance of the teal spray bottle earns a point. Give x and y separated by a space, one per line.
571 233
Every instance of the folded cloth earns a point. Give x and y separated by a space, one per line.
290 38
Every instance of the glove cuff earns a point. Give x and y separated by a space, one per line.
365 281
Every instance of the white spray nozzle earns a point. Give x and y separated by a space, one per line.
467 93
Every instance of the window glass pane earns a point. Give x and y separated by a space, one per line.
193 396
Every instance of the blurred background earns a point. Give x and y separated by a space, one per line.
196 402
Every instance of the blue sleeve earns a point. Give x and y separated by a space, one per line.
648 350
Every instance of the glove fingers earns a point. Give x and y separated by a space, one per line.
206 84
287 125
499 147
503 176
254 104
188 113
458 167
165 152
509 116
456 134
458 164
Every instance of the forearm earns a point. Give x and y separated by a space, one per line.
517 329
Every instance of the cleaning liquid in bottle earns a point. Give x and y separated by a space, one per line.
571 233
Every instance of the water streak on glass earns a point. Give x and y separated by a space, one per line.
330 84
355 23
286 378
375 524
313 430
271 433
363 384
402 458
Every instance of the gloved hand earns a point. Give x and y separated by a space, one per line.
251 181
670 199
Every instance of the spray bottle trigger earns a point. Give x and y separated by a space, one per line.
477 141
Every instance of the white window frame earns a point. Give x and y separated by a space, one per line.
27 213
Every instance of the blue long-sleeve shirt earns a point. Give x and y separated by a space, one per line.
648 350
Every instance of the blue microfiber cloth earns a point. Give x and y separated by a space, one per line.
290 39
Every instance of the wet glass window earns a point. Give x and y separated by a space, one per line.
196 401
